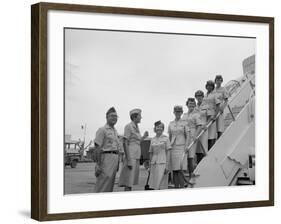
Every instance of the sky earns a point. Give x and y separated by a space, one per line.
149 71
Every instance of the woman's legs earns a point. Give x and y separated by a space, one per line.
190 170
190 166
178 178
219 134
211 142
199 156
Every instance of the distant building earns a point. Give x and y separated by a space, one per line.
67 138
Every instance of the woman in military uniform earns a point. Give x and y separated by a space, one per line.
159 158
222 95
132 138
107 148
179 138
213 108
201 109
194 124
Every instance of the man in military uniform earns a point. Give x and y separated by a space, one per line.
107 153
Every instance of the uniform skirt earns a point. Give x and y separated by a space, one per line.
212 131
130 177
109 165
193 149
158 179
220 123
202 144
176 158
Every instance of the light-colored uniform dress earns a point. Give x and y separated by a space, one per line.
179 139
159 147
212 101
192 121
107 139
202 147
222 95
130 177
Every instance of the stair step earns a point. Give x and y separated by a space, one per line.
244 182
228 117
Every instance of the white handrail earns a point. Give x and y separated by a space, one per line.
210 122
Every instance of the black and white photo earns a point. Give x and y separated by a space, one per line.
199 88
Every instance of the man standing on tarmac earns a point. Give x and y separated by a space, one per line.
107 153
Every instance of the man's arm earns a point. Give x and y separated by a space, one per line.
98 145
97 154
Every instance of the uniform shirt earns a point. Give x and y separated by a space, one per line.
107 138
211 100
202 111
222 94
158 148
178 132
133 136
192 121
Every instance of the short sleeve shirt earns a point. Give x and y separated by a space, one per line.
158 148
202 111
211 100
193 120
222 94
178 132
107 138
132 133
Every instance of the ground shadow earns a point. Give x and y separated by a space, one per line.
25 213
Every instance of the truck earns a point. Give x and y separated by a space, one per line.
73 152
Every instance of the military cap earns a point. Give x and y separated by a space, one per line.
178 108
218 77
199 93
192 100
210 83
157 123
110 110
135 111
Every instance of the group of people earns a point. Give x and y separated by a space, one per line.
191 136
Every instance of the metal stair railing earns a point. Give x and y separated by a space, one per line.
213 120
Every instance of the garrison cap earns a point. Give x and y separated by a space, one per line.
190 100
157 123
218 77
210 83
110 110
178 108
199 93
135 111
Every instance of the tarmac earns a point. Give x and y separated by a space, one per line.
82 179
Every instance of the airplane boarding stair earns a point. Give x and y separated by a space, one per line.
232 155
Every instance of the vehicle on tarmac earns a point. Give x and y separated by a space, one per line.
73 153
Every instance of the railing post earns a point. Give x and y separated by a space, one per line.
233 118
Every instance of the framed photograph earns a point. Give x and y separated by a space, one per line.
142 111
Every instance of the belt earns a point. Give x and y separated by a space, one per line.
110 152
